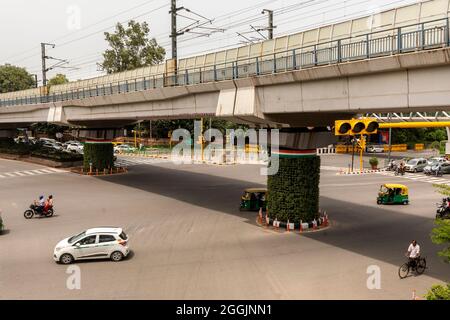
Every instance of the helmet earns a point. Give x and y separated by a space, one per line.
41 197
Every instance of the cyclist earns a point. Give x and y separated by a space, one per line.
413 253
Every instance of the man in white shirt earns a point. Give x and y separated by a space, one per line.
413 253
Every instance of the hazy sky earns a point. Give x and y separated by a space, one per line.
77 26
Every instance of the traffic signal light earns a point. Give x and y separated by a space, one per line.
356 127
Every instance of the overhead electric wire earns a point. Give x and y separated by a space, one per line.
80 30
242 21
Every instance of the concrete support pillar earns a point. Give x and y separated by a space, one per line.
293 193
306 140
97 134
98 148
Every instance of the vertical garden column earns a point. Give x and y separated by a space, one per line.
99 155
293 193
98 148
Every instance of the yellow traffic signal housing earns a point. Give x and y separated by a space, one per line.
356 127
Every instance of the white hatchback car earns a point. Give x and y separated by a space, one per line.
97 243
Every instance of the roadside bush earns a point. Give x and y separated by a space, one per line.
57 155
8 146
293 193
439 292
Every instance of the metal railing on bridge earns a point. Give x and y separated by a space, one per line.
423 36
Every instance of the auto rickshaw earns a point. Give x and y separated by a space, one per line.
253 199
393 194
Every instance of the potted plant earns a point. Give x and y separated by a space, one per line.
374 163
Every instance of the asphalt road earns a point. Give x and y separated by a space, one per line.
190 241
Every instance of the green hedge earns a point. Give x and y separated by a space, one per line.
293 193
101 155
57 155
8 146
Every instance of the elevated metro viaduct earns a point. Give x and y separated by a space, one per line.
393 61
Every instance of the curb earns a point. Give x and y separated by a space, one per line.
356 173
316 225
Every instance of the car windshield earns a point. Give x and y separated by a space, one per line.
77 237
412 162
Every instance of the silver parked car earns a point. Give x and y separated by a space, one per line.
432 162
416 165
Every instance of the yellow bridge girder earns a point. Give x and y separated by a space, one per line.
411 125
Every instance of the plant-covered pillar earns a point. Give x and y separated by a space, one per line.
98 155
98 148
293 192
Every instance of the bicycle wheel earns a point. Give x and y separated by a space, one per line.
403 271
421 266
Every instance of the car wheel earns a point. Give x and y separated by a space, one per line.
66 258
116 256
379 202
405 203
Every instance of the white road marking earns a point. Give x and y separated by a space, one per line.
129 162
419 177
28 173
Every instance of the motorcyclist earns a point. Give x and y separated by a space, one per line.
40 204
48 203
392 165
402 167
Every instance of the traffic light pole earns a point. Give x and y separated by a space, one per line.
353 154
361 155
390 146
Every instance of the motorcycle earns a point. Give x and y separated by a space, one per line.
400 171
392 166
35 211
443 211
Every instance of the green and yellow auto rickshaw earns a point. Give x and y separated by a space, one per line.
393 194
253 199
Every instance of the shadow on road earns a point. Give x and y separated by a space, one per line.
5 232
199 189
381 233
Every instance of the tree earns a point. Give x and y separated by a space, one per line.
418 135
58 79
14 78
441 236
131 48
